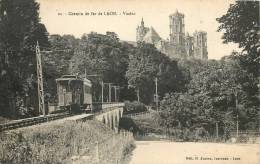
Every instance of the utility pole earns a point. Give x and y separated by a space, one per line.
156 92
85 73
115 92
217 129
109 90
237 111
40 80
116 87
109 98
102 84
102 92
138 96
118 93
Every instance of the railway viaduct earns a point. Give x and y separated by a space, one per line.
111 114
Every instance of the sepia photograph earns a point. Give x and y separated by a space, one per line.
129 82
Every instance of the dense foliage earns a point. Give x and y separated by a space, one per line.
146 64
134 107
221 93
56 60
20 29
105 57
211 97
241 25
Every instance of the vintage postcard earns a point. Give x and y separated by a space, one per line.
129 82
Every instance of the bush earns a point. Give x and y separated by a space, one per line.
134 107
14 149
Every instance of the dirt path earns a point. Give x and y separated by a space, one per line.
161 152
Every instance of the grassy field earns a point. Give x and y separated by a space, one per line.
57 142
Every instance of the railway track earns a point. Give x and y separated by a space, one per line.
41 119
31 121
137 114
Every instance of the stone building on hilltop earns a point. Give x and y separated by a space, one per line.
179 45
200 45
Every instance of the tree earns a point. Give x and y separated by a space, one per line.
210 97
102 55
241 25
142 70
146 64
62 50
20 29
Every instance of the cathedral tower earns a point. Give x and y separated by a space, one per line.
177 29
200 45
178 45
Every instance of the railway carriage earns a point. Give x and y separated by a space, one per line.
74 93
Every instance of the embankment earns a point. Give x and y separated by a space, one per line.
63 142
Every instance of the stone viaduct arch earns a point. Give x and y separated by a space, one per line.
111 116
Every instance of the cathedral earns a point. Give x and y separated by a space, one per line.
179 45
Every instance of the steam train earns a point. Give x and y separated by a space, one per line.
74 95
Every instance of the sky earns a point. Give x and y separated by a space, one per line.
199 15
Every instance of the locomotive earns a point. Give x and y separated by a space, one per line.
74 95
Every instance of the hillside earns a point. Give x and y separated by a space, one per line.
60 142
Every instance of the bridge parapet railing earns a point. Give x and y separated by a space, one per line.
112 105
99 108
145 113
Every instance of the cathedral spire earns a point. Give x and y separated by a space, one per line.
142 22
